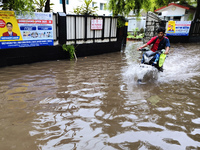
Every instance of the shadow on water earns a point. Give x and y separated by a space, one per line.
96 103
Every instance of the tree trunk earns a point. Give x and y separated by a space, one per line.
11 5
197 14
64 5
47 6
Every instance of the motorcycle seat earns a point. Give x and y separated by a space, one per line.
150 53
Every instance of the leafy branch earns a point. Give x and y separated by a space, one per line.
71 50
18 5
85 8
40 5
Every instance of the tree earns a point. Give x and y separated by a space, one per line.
85 8
43 5
123 7
39 5
197 14
64 5
18 5
160 3
47 6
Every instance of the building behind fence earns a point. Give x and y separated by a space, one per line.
136 22
153 22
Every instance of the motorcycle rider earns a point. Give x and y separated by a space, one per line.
159 42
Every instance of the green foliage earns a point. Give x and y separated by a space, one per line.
18 5
149 5
123 7
70 49
159 3
190 17
135 31
140 36
121 21
142 30
135 34
40 4
85 8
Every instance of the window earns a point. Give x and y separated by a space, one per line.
178 18
94 4
67 1
167 18
101 6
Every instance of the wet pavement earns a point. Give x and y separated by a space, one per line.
96 103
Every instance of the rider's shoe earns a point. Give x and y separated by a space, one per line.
154 63
161 69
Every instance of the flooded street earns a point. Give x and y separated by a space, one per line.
97 104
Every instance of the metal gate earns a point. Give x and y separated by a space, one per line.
195 29
153 22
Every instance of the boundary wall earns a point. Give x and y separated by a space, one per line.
70 29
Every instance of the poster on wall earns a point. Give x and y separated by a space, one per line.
25 29
178 28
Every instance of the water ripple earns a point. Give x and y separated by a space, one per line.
96 103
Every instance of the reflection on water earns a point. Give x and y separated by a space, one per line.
96 103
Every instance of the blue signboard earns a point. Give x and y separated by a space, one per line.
26 43
178 28
29 30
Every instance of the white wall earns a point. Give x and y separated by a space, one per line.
1 4
102 12
133 23
173 11
57 7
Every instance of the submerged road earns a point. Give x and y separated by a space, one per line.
96 103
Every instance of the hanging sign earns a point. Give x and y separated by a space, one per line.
96 24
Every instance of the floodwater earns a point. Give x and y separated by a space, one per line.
97 104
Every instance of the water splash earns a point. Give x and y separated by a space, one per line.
181 64
136 72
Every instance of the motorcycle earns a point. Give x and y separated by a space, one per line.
151 64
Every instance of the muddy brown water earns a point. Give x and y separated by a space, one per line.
96 103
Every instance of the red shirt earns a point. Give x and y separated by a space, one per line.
156 44
7 34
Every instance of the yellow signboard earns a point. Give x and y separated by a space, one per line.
9 29
25 30
171 27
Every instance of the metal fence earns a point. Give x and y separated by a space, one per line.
78 28
195 28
